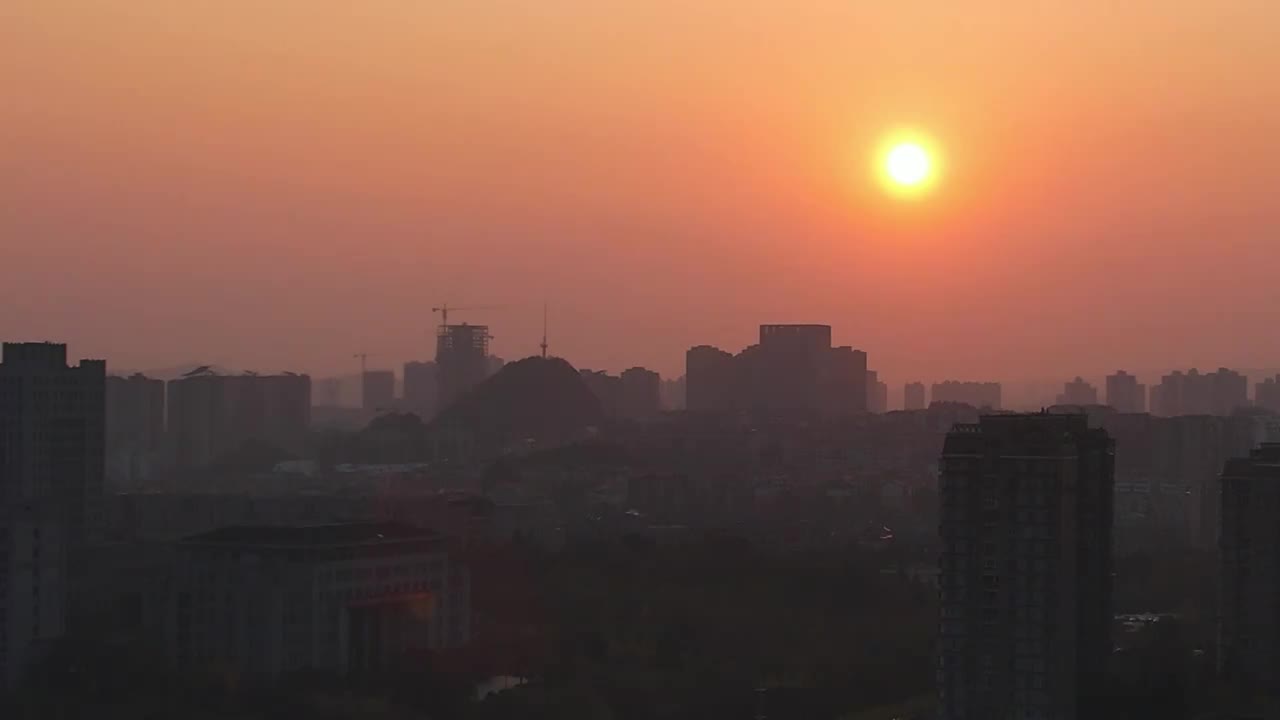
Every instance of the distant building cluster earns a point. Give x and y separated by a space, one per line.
1193 393
791 368
636 394
211 415
977 394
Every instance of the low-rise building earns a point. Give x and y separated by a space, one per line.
346 598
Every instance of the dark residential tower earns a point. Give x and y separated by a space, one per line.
913 396
846 388
877 393
421 389
789 367
134 427
1078 392
1266 394
377 390
52 457
1025 568
641 391
709 379
1249 580
1125 393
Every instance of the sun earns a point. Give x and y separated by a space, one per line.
908 163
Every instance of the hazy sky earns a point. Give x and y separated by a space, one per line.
282 183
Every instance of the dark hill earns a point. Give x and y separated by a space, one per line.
541 398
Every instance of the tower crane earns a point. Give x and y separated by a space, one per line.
444 310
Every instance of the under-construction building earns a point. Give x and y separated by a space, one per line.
462 359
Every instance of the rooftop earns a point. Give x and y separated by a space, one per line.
312 536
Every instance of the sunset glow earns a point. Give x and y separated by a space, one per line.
350 168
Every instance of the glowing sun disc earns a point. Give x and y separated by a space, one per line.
908 164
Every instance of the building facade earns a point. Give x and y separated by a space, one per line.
788 367
1249 577
1078 392
877 393
211 415
421 389
134 428
1266 394
377 390
1125 393
349 598
640 393
709 381
978 394
1025 568
913 397
52 458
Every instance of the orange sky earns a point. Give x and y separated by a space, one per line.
281 184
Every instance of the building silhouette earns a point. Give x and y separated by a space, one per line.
1193 393
1125 393
672 394
134 427
788 367
377 390
846 388
606 388
913 397
709 379
211 415
792 369
640 393
977 394
462 360
1025 567
1078 392
1266 394
52 455
1249 579
421 389
327 392
877 394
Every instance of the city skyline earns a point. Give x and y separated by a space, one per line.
519 359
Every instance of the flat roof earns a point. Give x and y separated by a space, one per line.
312 536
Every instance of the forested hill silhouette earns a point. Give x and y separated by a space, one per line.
531 398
